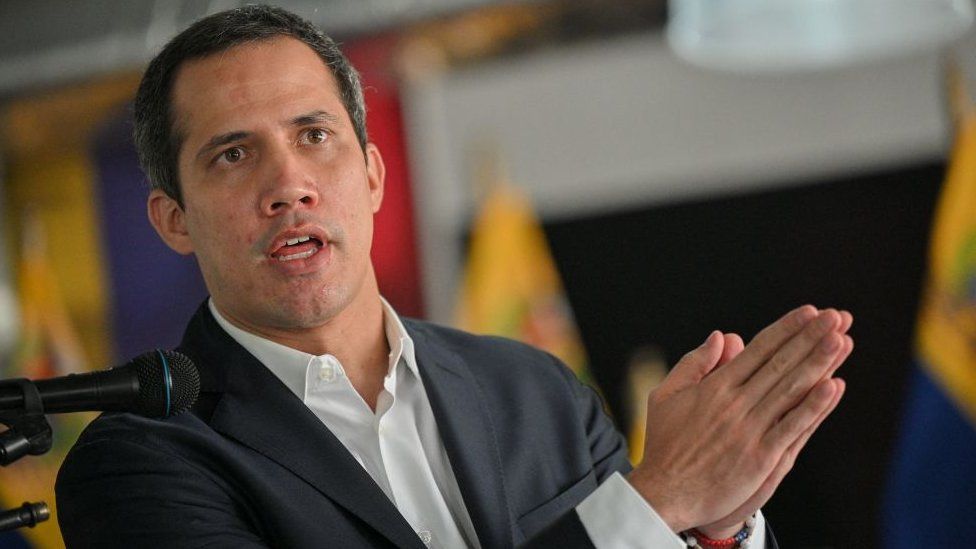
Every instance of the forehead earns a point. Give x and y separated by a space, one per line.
240 86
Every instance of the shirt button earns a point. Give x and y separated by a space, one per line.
425 537
327 373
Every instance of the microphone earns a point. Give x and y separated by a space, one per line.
157 384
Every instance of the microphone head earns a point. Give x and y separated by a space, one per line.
169 383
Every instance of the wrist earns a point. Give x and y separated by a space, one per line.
659 500
720 532
697 538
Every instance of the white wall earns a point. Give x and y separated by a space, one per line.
622 123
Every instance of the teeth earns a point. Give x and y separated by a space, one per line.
293 241
302 255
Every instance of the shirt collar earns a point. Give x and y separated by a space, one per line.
290 365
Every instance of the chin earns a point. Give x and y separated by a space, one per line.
311 312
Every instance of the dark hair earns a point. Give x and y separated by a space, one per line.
156 137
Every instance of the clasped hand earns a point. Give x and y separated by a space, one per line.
726 425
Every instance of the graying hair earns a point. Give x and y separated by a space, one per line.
158 140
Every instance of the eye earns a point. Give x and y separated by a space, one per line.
232 155
316 136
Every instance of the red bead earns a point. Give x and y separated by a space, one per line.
709 543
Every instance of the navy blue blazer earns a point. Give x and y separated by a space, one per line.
251 465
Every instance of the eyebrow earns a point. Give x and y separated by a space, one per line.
307 119
314 117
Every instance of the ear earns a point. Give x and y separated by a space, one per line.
169 220
375 175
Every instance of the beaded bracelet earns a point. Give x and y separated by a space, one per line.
694 538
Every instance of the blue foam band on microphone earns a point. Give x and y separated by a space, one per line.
168 380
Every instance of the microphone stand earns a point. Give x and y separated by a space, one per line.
28 432
28 514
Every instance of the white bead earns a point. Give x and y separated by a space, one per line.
744 544
751 522
691 541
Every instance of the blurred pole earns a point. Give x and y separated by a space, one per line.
8 303
646 369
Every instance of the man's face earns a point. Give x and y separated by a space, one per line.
278 198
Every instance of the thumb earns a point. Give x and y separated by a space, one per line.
733 346
696 364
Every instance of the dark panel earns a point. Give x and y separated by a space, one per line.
668 275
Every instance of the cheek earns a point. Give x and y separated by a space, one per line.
210 234
359 221
227 228
217 223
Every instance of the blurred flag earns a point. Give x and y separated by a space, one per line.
646 369
150 290
55 257
394 251
48 346
511 287
931 499
94 283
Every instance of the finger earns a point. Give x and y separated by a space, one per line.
766 342
789 457
846 320
847 346
839 387
794 450
797 384
696 364
792 425
733 346
845 352
806 349
785 464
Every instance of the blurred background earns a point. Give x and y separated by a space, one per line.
608 179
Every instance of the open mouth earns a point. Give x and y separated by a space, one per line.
299 247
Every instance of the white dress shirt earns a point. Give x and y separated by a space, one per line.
401 449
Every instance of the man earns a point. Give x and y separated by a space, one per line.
327 421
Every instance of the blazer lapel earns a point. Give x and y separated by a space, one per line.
469 438
257 410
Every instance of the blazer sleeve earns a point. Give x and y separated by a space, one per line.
608 454
120 493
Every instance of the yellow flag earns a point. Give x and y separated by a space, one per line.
930 500
946 333
511 285
647 368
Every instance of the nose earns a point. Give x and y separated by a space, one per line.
289 185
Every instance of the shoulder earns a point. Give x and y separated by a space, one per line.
522 385
135 429
122 457
490 356
123 442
